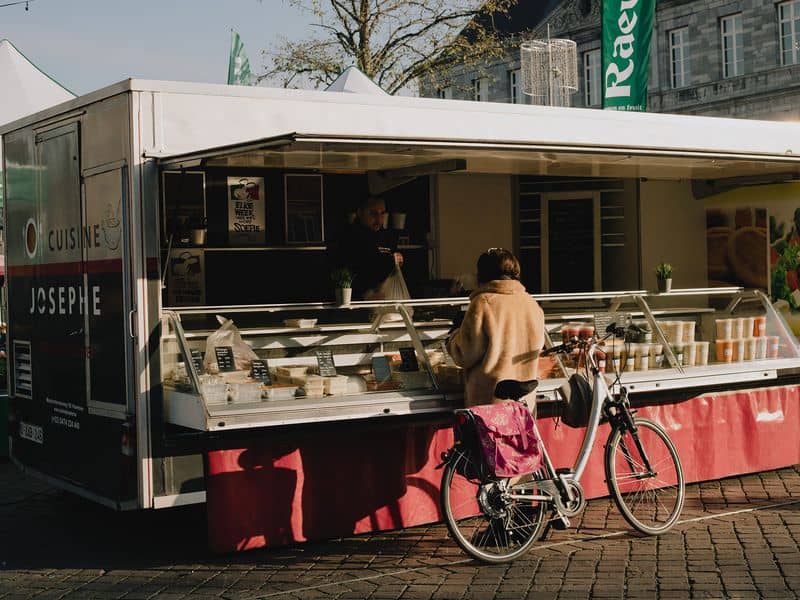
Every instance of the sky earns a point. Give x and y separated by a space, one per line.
88 44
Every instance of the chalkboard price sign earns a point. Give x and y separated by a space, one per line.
197 361
260 371
325 363
408 358
380 368
225 361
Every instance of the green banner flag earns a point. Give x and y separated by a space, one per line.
627 30
238 64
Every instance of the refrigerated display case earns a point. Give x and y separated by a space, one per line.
688 339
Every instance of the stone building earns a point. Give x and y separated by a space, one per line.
735 58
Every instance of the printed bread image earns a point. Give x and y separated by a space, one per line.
747 256
717 239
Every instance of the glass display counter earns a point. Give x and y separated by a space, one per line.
302 363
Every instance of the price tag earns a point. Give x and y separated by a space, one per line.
325 363
408 358
381 369
260 371
225 361
197 361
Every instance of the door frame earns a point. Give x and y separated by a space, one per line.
546 198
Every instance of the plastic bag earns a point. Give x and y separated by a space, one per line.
228 335
393 288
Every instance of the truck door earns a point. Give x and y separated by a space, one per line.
47 301
108 342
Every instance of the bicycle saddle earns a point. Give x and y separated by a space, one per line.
511 389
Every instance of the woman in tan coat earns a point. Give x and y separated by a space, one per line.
502 331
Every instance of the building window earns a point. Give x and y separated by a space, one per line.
679 57
789 19
445 93
480 89
591 78
732 45
515 86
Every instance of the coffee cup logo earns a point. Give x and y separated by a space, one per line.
111 224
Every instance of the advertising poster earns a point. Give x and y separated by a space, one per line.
187 279
737 243
784 261
246 211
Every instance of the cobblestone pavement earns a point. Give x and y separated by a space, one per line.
738 538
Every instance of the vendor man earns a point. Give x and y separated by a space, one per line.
370 257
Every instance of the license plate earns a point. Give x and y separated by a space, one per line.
30 432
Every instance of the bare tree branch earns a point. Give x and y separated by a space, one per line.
397 43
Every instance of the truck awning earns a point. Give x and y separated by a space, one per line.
404 157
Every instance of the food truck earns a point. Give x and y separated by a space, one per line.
173 336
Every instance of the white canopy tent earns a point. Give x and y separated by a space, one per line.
26 89
355 81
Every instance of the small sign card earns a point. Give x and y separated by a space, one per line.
197 361
325 363
225 361
260 371
381 369
408 358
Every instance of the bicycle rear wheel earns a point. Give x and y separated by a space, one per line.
484 522
645 477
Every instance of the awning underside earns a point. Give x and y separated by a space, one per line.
421 157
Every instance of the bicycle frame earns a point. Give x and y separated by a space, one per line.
600 393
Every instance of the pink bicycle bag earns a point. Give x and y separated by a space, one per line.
508 440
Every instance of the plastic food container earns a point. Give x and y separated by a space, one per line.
689 354
585 332
738 349
300 323
724 350
570 330
759 326
688 331
750 348
749 326
773 346
738 328
724 329
761 347
701 357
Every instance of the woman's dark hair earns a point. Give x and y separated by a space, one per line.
497 263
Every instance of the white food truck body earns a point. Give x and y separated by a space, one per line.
84 252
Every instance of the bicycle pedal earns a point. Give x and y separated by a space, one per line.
560 523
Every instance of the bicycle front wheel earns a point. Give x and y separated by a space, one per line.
645 477
481 517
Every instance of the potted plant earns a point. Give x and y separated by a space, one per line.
664 277
343 285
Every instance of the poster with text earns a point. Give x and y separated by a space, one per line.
737 243
186 285
246 211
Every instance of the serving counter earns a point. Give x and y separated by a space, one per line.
346 433
690 339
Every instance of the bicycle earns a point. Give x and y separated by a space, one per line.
496 520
